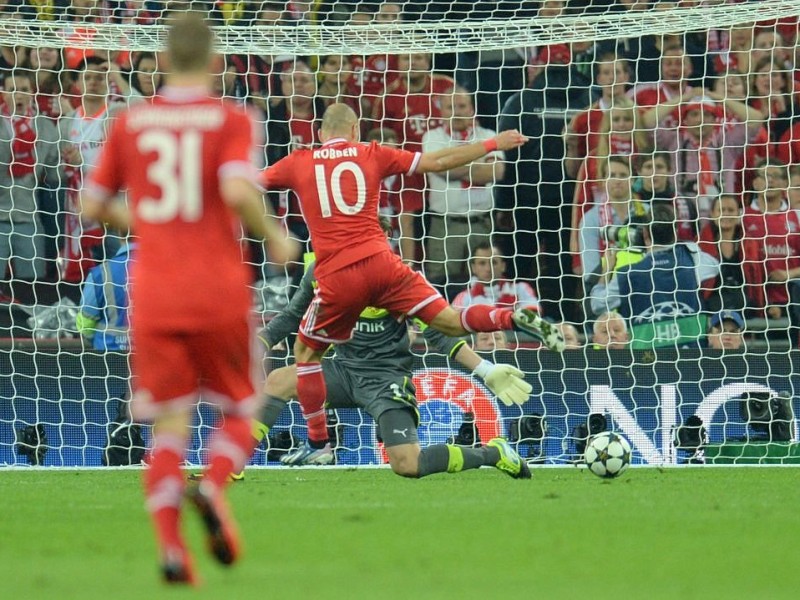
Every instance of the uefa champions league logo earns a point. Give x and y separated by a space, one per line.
444 396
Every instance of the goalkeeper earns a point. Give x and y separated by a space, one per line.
373 372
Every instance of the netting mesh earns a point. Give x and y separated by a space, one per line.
652 128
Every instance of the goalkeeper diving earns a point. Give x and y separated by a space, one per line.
373 372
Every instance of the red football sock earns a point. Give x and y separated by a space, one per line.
311 394
483 317
163 484
229 450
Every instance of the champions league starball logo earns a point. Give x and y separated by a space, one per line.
444 396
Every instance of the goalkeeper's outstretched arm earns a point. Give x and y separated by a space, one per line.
505 382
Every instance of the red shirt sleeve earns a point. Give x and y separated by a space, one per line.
279 175
236 154
394 162
107 178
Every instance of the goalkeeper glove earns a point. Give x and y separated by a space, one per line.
505 382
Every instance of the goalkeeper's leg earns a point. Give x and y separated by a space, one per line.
399 434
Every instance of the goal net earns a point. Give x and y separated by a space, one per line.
652 215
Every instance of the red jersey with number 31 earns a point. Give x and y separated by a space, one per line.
339 188
171 156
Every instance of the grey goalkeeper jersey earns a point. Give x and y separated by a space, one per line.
380 341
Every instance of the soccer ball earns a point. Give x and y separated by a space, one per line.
607 454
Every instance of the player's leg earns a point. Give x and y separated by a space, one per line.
407 292
329 319
484 317
164 486
339 395
311 392
399 434
229 361
165 391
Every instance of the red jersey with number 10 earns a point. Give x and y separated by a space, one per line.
171 156
339 188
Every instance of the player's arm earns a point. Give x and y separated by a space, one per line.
451 158
246 200
99 201
505 381
288 320
98 206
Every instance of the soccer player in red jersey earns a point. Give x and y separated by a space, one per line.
185 162
339 187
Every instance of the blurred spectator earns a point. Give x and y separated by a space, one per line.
704 144
292 121
794 187
361 15
620 135
735 58
769 43
675 72
726 331
10 58
654 184
411 108
259 74
227 83
740 283
490 341
659 295
771 89
29 155
651 51
389 203
336 82
460 202
736 86
534 208
378 73
572 340
145 76
82 133
770 220
490 285
51 81
103 315
617 209
653 181
609 332
584 132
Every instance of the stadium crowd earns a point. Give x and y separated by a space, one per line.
701 129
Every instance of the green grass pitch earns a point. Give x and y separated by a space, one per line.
351 534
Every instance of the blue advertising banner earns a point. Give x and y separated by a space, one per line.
643 395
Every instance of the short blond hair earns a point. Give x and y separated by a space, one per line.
189 43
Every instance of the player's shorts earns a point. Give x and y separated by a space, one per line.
379 280
170 368
375 392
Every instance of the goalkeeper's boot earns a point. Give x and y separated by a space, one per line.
529 321
307 455
176 568
232 478
510 461
223 539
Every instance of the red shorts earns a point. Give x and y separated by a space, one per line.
170 368
381 281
